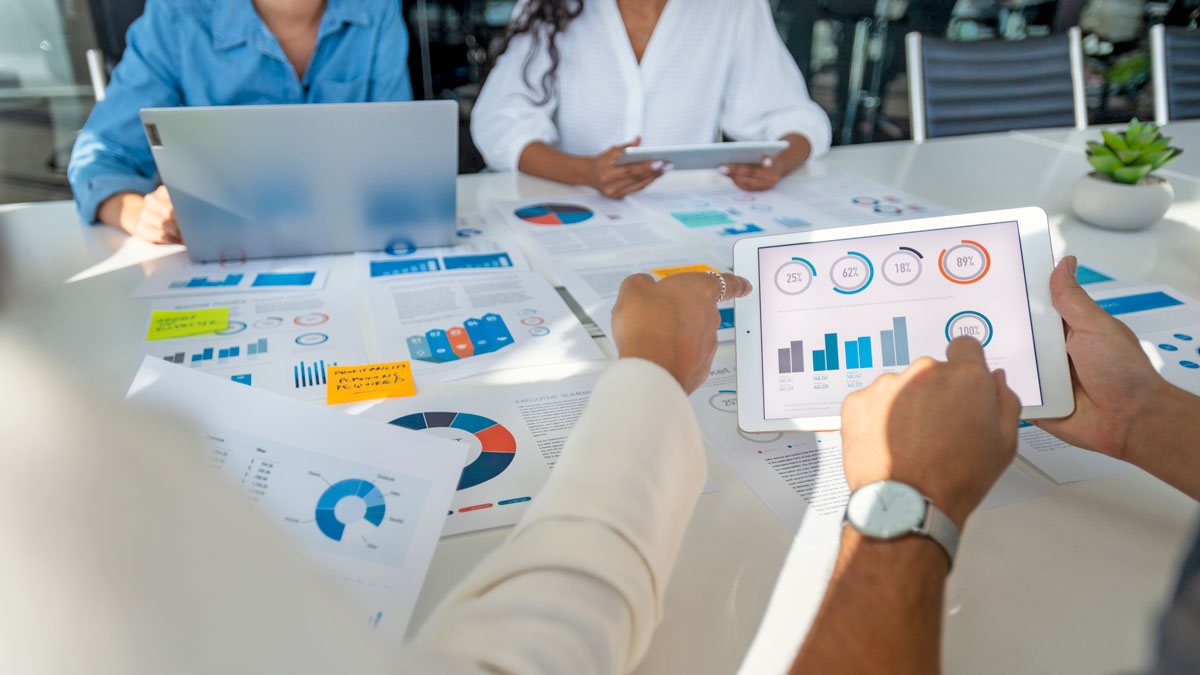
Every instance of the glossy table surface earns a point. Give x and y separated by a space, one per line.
1071 582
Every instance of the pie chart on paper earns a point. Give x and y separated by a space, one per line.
554 214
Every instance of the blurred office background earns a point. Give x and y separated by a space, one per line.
851 52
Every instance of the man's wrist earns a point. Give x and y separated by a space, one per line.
913 551
122 210
1167 419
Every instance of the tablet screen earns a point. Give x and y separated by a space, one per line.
837 314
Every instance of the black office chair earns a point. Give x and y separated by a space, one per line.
111 20
1175 71
960 88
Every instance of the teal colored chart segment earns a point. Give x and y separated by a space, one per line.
694 219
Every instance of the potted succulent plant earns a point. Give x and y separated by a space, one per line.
1122 193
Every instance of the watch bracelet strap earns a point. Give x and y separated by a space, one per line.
941 529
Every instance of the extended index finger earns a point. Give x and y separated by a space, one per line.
964 349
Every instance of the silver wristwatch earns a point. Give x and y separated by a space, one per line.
890 510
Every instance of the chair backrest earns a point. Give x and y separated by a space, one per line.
960 88
1175 71
111 20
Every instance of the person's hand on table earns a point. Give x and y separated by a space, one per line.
616 181
673 322
768 172
949 429
148 217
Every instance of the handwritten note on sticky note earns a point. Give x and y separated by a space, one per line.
165 324
664 272
360 383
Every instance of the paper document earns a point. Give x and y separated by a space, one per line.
484 245
798 474
513 435
719 216
594 283
1096 277
283 342
456 327
1062 462
1167 324
581 224
364 500
844 199
177 275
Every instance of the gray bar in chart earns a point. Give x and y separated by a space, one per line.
889 348
798 356
900 328
785 361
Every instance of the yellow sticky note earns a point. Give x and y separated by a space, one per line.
664 272
181 324
347 384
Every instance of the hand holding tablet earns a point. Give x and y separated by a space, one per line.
832 310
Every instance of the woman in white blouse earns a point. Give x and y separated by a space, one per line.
577 81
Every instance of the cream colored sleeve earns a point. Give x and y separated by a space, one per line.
578 585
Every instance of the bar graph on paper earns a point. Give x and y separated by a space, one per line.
889 348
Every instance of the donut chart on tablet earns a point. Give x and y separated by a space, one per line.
965 262
554 214
496 446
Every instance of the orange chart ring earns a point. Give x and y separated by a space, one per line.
987 258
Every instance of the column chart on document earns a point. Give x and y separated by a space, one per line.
483 245
177 276
282 342
456 327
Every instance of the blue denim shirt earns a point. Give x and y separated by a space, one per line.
219 52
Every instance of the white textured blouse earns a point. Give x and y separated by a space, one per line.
711 67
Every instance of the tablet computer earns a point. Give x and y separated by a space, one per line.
704 156
833 309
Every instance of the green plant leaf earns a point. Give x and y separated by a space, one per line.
1105 165
1154 158
1095 148
1142 140
1114 141
1135 127
1157 146
1128 156
1131 174
1171 155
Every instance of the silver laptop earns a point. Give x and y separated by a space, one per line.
285 180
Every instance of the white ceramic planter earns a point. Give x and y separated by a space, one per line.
1114 206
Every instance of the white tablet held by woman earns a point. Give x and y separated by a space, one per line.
834 309
705 156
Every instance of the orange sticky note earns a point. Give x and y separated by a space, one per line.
664 272
346 384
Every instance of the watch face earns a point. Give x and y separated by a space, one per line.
885 509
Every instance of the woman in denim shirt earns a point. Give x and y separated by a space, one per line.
226 52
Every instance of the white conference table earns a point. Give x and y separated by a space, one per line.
1072 582
1184 134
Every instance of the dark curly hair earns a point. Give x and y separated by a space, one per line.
542 19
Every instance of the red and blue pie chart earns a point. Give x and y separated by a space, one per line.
495 444
554 214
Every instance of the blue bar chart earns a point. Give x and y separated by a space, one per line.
205 282
204 354
854 354
309 374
